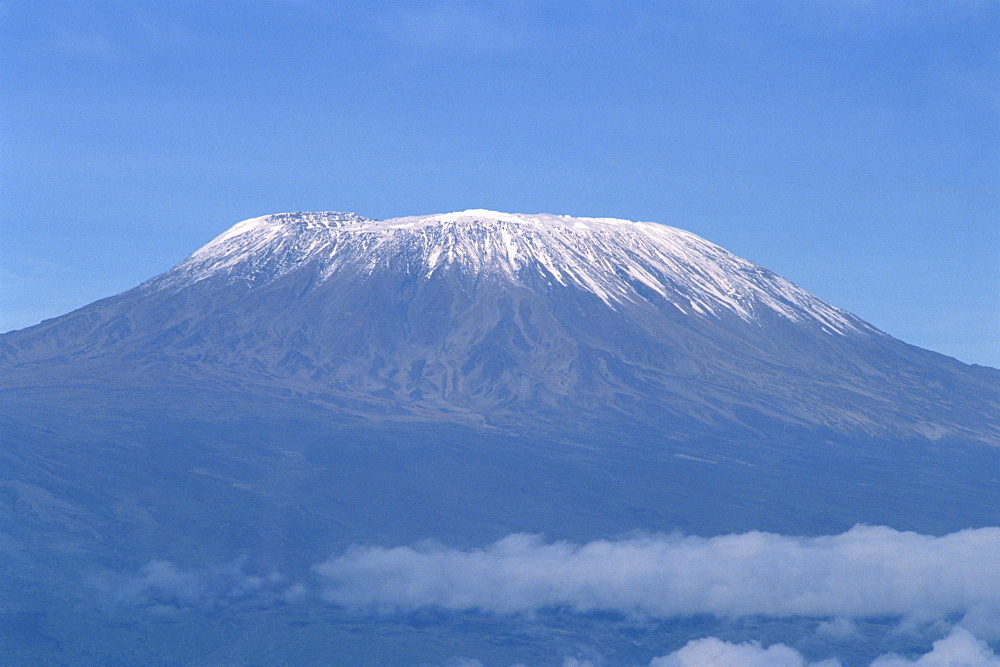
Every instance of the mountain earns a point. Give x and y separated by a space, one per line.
173 455
512 321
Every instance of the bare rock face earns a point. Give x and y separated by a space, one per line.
518 321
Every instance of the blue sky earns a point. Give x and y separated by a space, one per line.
852 146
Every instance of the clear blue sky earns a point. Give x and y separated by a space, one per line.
852 146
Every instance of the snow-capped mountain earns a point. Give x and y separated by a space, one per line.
481 316
621 262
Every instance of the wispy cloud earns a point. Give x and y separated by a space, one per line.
162 587
877 17
867 571
460 26
87 45
109 33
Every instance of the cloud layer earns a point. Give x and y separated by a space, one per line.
867 571
931 582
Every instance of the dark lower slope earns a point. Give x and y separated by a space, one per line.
100 481
121 477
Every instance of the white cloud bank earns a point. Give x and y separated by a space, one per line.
958 649
867 571
718 653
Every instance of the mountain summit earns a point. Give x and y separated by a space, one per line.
510 320
623 263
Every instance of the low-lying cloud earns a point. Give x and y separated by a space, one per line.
959 649
866 572
718 653
929 583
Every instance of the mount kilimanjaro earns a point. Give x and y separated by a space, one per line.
310 381
514 321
